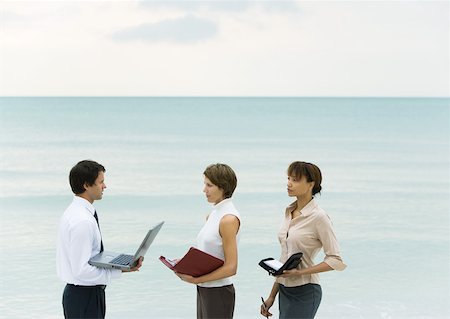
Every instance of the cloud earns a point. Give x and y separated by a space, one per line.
323 48
185 30
221 6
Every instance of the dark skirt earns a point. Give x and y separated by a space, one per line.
299 302
215 302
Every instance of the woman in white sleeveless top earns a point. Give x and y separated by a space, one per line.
218 237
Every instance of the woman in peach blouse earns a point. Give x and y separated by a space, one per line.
306 228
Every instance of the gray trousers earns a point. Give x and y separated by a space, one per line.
215 302
299 302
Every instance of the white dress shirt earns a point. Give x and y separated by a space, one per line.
78 241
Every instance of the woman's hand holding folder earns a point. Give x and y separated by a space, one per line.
195 263
188 278
277 268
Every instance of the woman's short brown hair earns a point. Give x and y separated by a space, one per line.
223 177
310 171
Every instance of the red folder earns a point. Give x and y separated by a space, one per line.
195 263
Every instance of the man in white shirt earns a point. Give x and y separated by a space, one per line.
79 239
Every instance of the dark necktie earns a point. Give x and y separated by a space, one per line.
101 241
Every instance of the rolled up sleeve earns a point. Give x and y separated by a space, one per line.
330 244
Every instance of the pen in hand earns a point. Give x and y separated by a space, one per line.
265 307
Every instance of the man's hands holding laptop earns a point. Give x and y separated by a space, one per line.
135 268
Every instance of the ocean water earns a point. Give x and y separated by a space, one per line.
386 169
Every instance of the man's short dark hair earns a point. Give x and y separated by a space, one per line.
84 172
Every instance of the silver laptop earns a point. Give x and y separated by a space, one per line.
108 259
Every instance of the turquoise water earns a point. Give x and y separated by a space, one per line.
386 187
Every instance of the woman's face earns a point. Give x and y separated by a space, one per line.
299 187
213 193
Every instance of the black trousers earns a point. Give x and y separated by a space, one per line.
86 302
215 302
299 302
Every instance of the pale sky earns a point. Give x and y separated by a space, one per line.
224 48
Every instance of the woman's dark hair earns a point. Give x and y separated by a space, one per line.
223 177
84 172
310 171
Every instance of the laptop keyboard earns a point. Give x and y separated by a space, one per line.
122 260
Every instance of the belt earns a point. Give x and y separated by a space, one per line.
88 287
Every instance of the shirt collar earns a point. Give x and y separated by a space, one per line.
305 211
309 208
222 202
84 203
